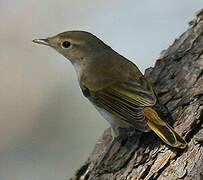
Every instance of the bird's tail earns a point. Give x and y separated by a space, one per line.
163 129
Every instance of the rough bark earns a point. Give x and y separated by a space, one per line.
178 78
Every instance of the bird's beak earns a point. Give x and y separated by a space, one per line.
41 41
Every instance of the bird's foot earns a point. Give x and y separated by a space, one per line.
117 152
102 165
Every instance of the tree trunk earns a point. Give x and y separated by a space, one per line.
178 78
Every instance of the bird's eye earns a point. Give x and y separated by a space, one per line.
66 44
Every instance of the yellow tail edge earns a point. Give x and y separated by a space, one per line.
163 129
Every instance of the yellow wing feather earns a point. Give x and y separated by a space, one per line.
133 103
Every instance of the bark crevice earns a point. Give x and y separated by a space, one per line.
178 79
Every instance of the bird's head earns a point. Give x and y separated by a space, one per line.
74 45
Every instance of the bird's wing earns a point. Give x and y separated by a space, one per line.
125 100
134 103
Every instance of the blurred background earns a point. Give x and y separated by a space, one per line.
47 129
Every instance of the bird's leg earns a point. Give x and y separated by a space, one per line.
115 137
134 137
123 141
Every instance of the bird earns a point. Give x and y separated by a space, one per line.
115 86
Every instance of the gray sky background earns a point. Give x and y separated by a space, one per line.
47 129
